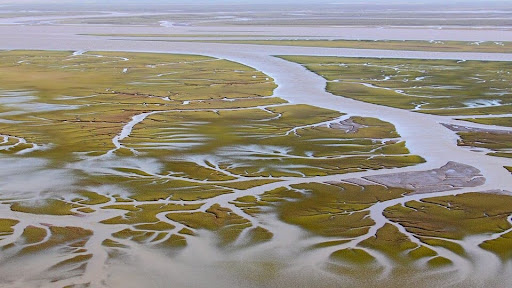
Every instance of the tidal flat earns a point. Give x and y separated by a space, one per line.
431 45
157 165
166 160
443 87
134 163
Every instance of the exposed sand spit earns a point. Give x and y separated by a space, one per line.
450 176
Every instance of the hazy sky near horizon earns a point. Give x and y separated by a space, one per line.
239 1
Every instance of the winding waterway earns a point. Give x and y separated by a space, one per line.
424 136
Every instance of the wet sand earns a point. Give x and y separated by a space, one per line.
424 134
341 32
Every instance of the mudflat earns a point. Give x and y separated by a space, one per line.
169 147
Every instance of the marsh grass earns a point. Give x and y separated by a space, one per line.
213 129
227 224
397 246
45 207
6 226
454 217
145 215
441 46
60 237
332 210
504 121
444 87
500 143
95 98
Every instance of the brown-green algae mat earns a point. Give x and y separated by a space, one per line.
167 152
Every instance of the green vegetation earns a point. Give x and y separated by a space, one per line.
396 245
452 246
6 226
206 116
91 198
113 244
97 93
158 188
443 87
146 213
312 150
259 234
441 46
353 256
46 206
244 185
208 128
61 237
504 121
454 217
333 210
439 262
77 259
499 142
173 242
339 211
222 220
32 235
502 246
496 140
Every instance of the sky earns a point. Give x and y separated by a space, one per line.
239 1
